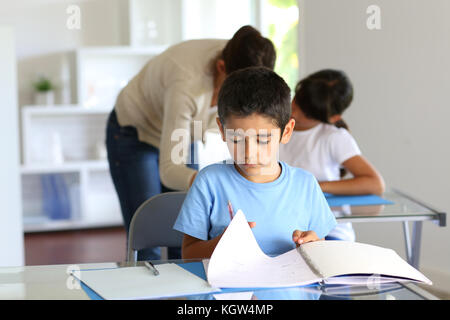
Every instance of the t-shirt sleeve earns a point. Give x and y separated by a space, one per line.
194 216
343 146
322 219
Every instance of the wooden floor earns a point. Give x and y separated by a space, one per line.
81 246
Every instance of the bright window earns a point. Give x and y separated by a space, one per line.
279 20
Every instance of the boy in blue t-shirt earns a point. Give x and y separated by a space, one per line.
285 205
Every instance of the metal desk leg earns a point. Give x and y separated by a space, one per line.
416 242
407 241
413 248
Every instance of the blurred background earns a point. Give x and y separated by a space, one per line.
62 64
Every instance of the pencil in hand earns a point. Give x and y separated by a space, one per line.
230 210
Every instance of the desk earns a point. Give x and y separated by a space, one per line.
53 282
405 208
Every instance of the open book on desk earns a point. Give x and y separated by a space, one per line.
140 283
239 262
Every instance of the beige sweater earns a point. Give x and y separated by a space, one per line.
173 90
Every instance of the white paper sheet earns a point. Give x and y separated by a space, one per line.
336 258
371 281
141 283
239 262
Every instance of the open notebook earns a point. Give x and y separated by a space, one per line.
141 283
239 262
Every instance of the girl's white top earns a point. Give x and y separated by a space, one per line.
321 150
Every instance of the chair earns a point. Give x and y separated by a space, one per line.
151 225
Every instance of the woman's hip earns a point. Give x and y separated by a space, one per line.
122 142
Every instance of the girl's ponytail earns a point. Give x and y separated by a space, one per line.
341 124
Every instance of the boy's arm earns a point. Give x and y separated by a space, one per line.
195 248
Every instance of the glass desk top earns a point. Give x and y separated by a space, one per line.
54 282
405 208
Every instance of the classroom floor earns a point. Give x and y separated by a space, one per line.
79 246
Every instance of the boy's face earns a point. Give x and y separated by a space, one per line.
253 142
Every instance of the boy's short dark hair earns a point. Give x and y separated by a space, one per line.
255 90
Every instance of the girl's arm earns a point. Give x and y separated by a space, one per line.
366 179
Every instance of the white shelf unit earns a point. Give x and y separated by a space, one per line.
77 132
84 176
101 72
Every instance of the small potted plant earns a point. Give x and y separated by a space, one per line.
44 92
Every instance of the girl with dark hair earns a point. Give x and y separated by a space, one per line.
173 90
322 144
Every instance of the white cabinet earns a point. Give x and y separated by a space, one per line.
65 180
65 176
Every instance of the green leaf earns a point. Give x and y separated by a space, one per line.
43 85
283 3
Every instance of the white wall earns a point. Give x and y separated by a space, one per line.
400 113
211 18
41 33
11 232
41 25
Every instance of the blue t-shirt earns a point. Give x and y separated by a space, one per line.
294 201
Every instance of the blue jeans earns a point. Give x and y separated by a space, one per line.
134 167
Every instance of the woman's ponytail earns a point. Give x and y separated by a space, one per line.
248 48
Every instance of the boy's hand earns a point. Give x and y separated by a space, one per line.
301 237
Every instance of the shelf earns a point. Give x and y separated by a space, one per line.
43 224
76 166
102 72
37 110
71 132
75 130
124 50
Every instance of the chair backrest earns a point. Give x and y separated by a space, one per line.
152 224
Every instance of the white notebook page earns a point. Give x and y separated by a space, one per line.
239 262
141 283
334 258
